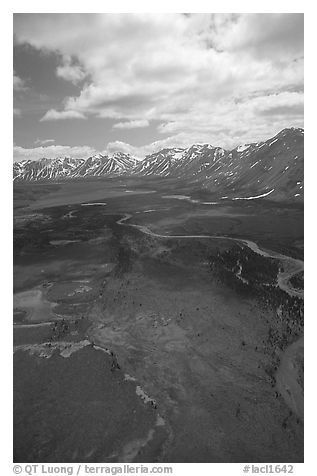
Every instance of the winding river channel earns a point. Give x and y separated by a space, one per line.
291 266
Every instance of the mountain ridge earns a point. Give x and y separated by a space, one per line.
274 165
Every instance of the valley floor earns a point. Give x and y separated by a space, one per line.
132 347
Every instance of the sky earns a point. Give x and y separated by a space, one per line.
137 83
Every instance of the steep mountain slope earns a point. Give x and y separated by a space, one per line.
185 163
273 168
70 168
160 163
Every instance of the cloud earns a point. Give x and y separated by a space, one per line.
198 76
43 142
53 115
181 140
18 84
287 104
228 135
132 124
119 146
70 72
236 121
52 151
266 35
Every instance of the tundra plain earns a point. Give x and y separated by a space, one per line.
147 330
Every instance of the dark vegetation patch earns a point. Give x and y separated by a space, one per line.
260 277
297 281
299 361
19 316
86 223
251 266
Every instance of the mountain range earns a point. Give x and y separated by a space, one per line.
273 168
